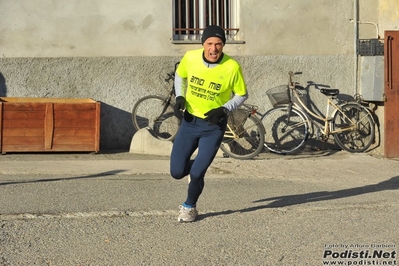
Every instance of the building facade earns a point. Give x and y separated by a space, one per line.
118 51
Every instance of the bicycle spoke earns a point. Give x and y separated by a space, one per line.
244 137
285 132
360 124
155 113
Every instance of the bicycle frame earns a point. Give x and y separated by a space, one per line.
326 128
291 120
232 133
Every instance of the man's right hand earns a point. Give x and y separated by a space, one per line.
180 105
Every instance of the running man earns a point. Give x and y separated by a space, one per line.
209 84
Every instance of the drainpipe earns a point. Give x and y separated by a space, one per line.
356 23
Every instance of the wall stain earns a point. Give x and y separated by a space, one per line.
129 25
147 22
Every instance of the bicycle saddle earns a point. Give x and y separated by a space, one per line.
330 92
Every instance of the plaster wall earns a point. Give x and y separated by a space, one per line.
107 28
118 51
118 82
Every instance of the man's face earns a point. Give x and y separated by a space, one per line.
213 48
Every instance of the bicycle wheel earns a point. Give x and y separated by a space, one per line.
285 131
356 125
155 113
244 135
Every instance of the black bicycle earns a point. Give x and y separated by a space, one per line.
155 112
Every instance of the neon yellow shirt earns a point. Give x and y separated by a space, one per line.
209 88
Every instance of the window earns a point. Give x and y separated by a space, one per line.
192 16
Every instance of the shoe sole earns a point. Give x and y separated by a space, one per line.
181 220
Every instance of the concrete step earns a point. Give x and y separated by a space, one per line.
143 142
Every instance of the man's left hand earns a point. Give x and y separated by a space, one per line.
215 115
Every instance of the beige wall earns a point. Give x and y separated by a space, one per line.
86 28
117 51
388 18
82 28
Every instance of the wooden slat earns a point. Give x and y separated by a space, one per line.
22 148
23 140
23 114
81 131
75 123
23 124
45 100
18 132
73 140
72 106
49 126
73 147
74 115
40 148
24 107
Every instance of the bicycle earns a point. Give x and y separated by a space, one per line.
245 135
155 112
290 120
243 139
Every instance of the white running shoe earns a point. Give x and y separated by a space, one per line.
187 214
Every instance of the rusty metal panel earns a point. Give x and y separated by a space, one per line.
391 94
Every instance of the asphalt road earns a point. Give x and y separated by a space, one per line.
121 209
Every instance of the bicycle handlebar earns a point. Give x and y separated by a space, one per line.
171 76
310 83
318 86
291 74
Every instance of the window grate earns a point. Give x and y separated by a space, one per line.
192 16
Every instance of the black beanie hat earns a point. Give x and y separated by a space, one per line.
213 31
